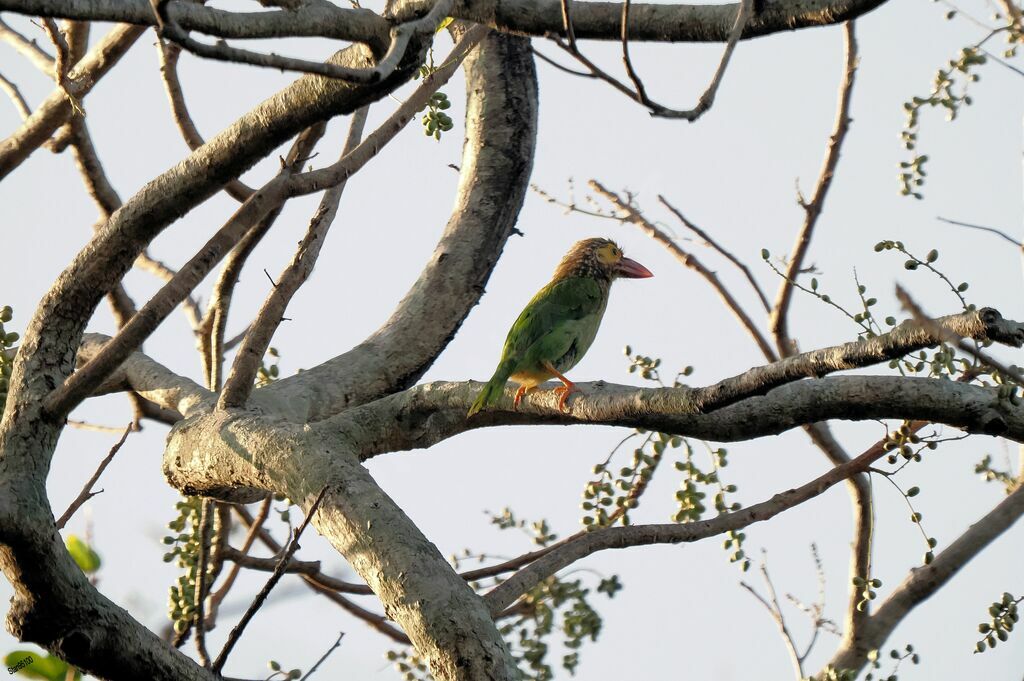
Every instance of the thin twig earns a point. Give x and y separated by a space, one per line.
87 492
330 650
779 321
240 380
716 246
773 608
261 597
62 63
169 54
14 93
217 597
983 228
638 92
199 618
689 260
560 67
27 48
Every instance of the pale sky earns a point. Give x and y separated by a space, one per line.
682 613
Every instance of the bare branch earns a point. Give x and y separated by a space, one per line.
258 601
56 109
154 382
228 553
993 230
321 20
319 662
771 604
522 581
328 587
240 381
14 93
27 48
707 238
861 499
924 581
689 260
638 92
779 318
401 35
592 20
169 54
86 494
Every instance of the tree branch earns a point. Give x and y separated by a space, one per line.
687 260
497 159
86 494
780 313
169 54
56 109
153 381
924 581
27 48
591 20
241 379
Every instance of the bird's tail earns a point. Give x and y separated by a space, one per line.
493 390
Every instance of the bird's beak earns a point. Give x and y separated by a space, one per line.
631 269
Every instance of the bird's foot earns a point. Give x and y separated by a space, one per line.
563 392
518 396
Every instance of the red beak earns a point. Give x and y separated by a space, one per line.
631 269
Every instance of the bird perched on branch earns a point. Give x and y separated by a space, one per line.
556 328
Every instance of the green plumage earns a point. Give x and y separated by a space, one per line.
557 327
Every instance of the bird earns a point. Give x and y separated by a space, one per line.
557 327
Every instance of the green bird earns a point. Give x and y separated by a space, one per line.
556 328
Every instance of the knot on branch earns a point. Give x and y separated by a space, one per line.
999 329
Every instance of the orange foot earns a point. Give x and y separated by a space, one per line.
519 396
563 392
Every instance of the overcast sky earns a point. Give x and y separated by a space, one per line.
682 613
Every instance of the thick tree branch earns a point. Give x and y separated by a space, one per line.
924 581
591 20
321 20
153 381
495 170
57 109
436 411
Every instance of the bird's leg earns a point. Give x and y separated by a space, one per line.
563 391
519 395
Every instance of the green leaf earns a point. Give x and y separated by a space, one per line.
87 559
38 666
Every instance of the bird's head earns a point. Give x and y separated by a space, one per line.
601 259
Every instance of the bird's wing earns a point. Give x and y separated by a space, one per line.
549 318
